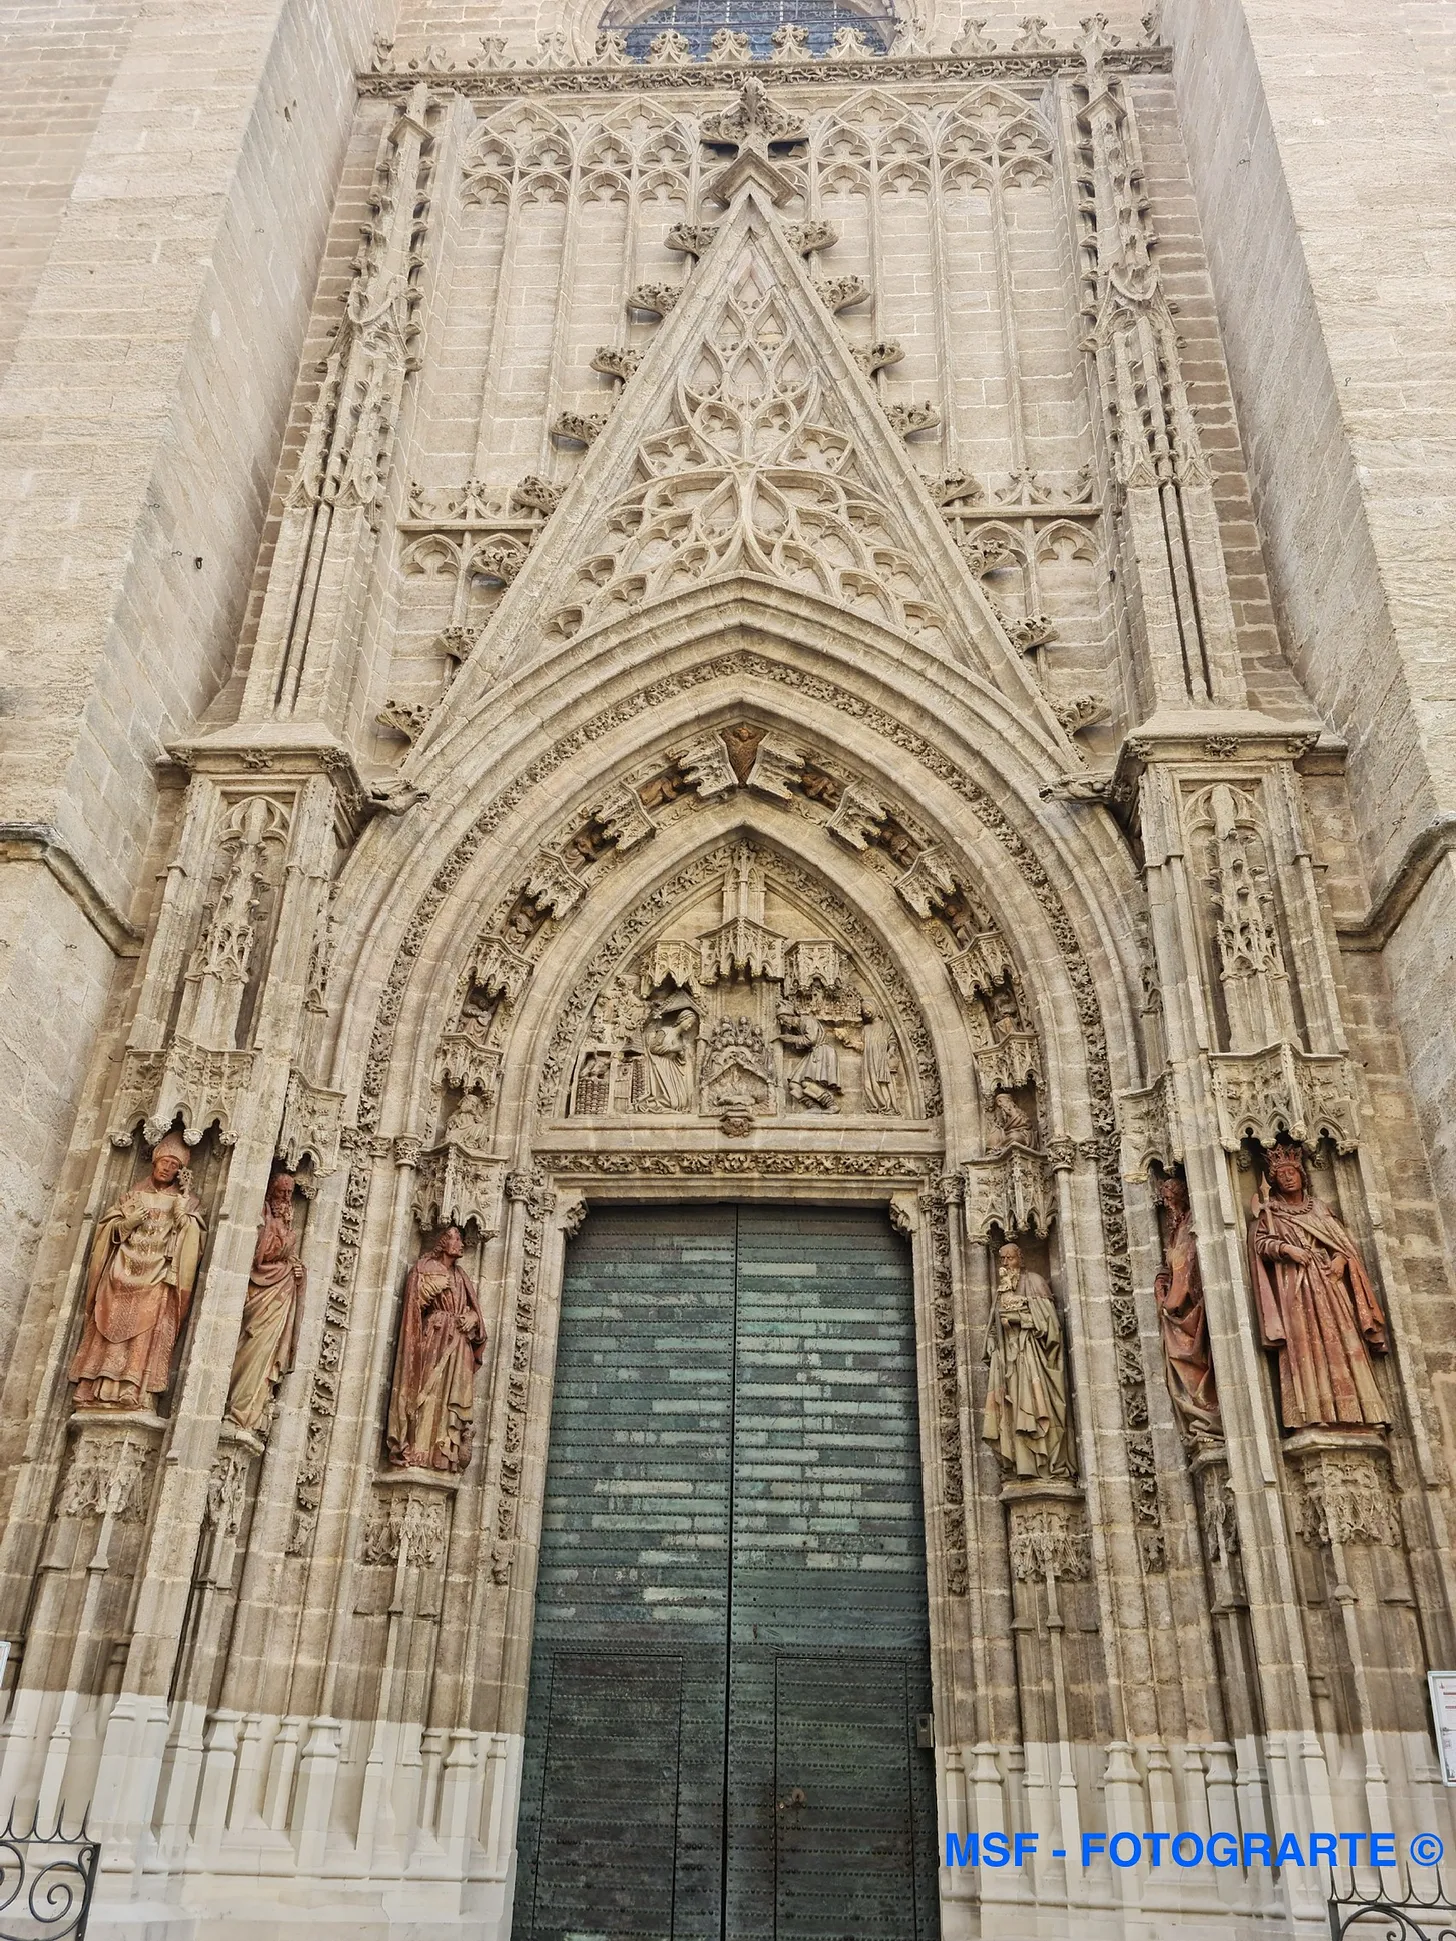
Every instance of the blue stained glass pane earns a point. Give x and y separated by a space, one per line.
698 20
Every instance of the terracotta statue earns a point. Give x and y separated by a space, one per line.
1315 1302
441 1345
1178 1291
139 1287
1027 1417
881 1064
270 1310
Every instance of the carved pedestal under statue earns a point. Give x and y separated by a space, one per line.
139 1286
1027 1418
1316 1304
270 1311
441 1345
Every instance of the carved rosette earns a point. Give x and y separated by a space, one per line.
1283 1092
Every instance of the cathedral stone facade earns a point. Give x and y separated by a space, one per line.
727 945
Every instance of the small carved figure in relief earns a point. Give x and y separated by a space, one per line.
1178 1290
441 1345
881 1064
815 1082
139 1286
270 1310
1013 1125
1005 1012
469 1124
1027 1419
738 1073
664 1075
594 1083
1316 1304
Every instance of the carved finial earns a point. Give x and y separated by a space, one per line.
727 48
791 44
755 123
670 49
611 50
1093 46
1032 39
972 39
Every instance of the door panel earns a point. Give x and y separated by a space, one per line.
732 1598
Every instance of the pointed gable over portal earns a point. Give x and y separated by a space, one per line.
749 443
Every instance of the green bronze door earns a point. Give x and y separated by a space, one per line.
732 1641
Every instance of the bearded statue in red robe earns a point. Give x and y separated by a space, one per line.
441 1345
1316 1305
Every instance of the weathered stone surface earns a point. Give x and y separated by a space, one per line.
985 784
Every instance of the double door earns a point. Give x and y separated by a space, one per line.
730 1673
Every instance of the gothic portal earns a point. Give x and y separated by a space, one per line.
730 1153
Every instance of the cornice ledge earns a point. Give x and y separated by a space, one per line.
882 70
1410 876
42 842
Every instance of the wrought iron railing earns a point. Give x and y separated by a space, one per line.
1400 1914
46 1881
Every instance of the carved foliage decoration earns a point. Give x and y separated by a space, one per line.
1049 1540
108 1477
753 469
1346 1498
740 666
1280 1092
405 1525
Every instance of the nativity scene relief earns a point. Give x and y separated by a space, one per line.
734 1013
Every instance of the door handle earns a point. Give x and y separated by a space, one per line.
797 1798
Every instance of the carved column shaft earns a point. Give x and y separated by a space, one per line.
303 659
1179 600
1196 1128
201 1389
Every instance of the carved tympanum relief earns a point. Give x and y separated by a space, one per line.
739 1008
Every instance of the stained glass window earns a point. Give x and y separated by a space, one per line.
757 20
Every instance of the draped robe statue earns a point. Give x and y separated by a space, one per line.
1027 1417
270 1310
139 1287
881 1064
441 1345
1316 1305
665 1078
1178 1290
